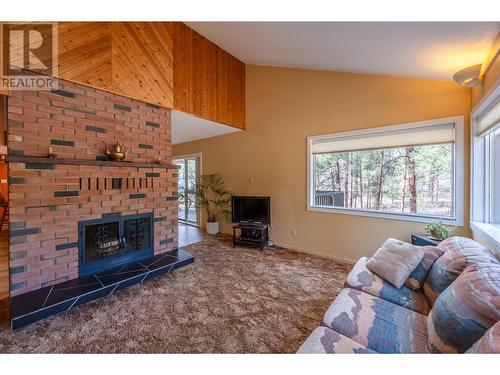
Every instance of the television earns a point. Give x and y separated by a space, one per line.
247 209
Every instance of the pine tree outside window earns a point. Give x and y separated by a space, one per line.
410 171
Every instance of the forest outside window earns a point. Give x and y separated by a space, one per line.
411 172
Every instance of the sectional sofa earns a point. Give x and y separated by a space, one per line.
456 310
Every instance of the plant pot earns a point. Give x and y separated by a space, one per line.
435 236
213 227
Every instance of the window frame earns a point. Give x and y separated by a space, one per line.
481 174
457 173
199 165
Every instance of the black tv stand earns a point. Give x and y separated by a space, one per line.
251 234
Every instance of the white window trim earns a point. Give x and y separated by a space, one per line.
479 202
458 172
190 156
198 155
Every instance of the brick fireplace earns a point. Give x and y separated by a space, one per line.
50 198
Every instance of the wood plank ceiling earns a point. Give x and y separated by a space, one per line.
163 63
129 58
85 53
142 61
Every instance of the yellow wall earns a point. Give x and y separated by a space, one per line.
283 107
491 74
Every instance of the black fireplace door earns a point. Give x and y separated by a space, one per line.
107 243
137 234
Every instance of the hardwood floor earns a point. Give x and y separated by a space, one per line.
189 234
4 275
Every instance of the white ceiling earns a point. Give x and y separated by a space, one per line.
186 128
414 49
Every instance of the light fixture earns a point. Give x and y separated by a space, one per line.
469 77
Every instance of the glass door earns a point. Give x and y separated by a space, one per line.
189 170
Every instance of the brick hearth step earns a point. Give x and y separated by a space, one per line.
39 304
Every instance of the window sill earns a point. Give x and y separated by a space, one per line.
386 215
490 232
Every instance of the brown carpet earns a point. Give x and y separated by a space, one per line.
229 301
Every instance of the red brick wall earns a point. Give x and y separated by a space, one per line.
86 118
48 200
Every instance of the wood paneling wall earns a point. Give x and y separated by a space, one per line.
208 81
142 61
163 63
3 120
4 233
85 53
134 59
4 276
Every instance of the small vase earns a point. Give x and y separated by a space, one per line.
213 227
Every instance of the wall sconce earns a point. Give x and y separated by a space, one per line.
469 77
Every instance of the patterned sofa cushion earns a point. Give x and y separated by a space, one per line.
376 323
361 278
489 343
324 340
416 279
459 252
464 312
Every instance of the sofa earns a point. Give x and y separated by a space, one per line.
456 310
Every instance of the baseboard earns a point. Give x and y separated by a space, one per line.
315 253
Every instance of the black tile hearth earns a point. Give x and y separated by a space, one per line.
119 274
39 304
71 289
165 259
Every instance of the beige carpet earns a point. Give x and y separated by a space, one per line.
229 301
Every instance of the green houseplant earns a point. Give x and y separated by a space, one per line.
212 198
437 230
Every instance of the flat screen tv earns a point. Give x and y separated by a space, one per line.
251 209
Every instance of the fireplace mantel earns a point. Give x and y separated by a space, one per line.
108 163
49 197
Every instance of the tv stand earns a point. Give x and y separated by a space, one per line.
251 234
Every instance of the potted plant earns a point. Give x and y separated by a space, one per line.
437 230
213 199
